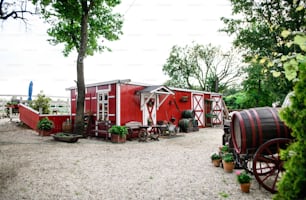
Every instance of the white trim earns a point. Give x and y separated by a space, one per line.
29 108
103 90
194 91
103 83
118 102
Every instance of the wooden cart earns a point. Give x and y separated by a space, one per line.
255 137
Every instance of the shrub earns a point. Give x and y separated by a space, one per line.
119 130
42 102
45 124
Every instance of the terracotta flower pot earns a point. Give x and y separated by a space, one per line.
44 132
216 162
228 166
245 187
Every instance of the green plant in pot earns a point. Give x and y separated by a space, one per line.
244 179
216 159
45 126
224 148
228 162
118 133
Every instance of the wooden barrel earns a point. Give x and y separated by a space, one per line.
186 124
251 128
67 126
188 114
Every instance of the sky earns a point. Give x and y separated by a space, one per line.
150 30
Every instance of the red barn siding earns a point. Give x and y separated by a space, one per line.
129 108
130 103
112 104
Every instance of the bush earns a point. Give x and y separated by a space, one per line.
45 124
42 102
293 184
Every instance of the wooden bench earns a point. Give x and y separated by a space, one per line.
133 129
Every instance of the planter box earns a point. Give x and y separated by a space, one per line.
66 137
118 139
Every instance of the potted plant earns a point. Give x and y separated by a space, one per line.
118 134
45 126
216 159
228 162
244 179
224 149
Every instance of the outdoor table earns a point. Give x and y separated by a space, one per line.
158 129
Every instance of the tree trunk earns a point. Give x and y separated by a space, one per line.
79 118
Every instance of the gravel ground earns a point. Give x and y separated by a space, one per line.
35 167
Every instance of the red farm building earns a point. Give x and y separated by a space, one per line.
122 101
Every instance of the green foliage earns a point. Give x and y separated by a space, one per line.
82 26
225 148
236 101
257 30
45 124
215 156
276 29
224 194
228 157
293 184
66 20
261 88
243 177
42 102
118 130
201 67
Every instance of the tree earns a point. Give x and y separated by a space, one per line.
15 9
257 33
201 67
81 25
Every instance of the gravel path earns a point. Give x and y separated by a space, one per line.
35 167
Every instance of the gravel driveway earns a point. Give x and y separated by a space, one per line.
35 167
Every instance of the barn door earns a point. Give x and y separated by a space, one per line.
149 108
217 109
198 107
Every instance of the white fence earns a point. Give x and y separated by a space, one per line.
58 105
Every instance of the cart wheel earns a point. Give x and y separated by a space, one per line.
267 165
143 135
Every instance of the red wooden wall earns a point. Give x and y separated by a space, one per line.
130 103
130 109
31 117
